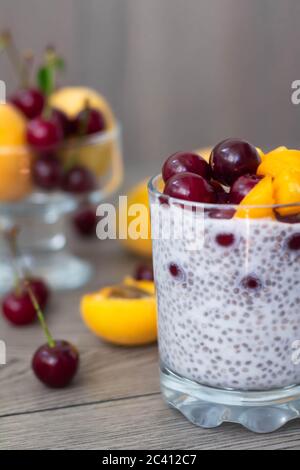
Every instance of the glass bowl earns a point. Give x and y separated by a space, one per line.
41 215
228 310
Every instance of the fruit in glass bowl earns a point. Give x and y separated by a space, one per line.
53 158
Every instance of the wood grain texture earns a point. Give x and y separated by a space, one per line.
131 423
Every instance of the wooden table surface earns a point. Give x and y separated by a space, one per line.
114 402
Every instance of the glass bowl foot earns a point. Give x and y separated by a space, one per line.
260 412
61 271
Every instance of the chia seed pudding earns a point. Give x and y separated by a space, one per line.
229 311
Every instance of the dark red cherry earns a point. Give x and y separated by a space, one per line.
144 272
294 242
56 366
29 101
190 187
233 158
40 290
85 221
225 239
47 172
66 124
89 121
78 180
242 186
219 189
18 309
44 134
185 162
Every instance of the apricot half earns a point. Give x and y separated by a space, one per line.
137 195
12 127
287 191
278 160
15 156
123 314
261 195
15 173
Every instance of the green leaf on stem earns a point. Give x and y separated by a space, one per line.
45 80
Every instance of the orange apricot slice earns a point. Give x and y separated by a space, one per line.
123 314
279 160
261 195
15 173
287 191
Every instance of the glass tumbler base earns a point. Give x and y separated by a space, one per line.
61 270
260 412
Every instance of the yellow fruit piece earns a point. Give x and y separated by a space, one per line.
149 286
72 100
261 195
124 314
260 153
12 127
279 160
204 152
273 152
137 195
15 157
287 191
15 173
96 157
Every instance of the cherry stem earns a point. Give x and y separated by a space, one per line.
47 111
11 239
40 315
85 121
28 59
15 58
73 156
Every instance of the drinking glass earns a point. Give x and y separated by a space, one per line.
228 294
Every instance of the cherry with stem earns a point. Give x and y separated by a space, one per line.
56 362
38 285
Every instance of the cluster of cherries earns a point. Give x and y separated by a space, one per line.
226 179
46 132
